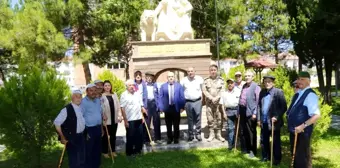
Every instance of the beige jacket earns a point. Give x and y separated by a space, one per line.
107 110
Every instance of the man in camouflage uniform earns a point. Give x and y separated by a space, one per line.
213 86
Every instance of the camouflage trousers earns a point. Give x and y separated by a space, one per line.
215 116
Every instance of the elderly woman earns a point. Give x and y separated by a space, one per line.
132 108
110 106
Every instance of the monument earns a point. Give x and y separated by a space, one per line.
167 40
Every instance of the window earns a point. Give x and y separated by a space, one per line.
116 65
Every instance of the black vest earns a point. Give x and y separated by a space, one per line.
298 113
69 127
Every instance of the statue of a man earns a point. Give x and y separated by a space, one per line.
174 20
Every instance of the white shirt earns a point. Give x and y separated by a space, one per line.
192 88
239 86
132 105
80 119
311 102
230 98
150 89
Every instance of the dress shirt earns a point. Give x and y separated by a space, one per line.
132 105
266 103
311 102
92 111
231 98
192 88
80 119
150 89
171 90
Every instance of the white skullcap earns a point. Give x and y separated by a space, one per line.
90 85
77 91
98 81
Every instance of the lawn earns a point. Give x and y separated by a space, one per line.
326 156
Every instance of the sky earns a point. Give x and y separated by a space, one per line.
13 2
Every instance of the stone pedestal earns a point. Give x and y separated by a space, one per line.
161 56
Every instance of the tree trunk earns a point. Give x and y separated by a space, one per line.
337 77
2 75
87 72
300 65
276 45
127 72
329 69
319 71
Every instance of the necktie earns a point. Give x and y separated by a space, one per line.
171 95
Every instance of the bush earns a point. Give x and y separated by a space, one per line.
118 86
29 102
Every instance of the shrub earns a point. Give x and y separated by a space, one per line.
118 86
29 102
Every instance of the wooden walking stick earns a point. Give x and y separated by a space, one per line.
238 125
147 129
272 145
62 156
108 140
294 149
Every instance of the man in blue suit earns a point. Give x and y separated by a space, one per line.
172 102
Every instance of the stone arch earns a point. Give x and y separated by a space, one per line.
169 69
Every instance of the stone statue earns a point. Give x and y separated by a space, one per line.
174 20
148 25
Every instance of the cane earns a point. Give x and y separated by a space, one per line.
238 125
272 146
294 149
147 129
62 156
108 139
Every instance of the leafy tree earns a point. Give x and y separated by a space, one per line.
28 103
29 36
271 26
118 86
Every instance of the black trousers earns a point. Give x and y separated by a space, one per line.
112 129
172 118
134 138
266 145
76 151
94 146
303 157
153 115
248 132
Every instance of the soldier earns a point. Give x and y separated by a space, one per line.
213 86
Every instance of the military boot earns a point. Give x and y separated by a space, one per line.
219 136
211 135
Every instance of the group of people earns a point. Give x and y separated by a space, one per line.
82 124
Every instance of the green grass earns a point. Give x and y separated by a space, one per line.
326 155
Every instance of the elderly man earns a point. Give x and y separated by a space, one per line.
132 108
230 100
247 112
212 88
192 85
272 106
172 102
70 126
93 114
238 80
100 87
302 114
153 108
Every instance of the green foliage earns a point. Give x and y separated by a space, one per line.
324 121
28 103
118 86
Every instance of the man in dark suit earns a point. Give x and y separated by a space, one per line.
172 102
272 106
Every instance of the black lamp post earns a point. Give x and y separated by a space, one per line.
217 37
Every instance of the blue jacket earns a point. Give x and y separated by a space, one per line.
179 99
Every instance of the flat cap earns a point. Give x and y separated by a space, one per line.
98 81
228 80
76 91
149 73
238 73
90 85
304 74
269 77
